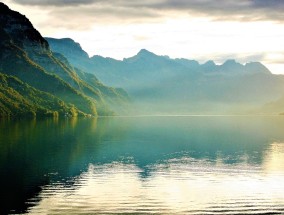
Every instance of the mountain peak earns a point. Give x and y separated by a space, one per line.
145 52
67 46
3 7
256 67
66 41
69 40
209 63
209 66
230 62
17 28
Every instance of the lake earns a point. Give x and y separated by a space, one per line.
143 165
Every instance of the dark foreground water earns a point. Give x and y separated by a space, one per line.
143 165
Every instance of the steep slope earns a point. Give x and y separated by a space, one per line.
26 55
71 50
107 97
162 84
116 98
18 99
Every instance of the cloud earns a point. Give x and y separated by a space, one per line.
141 38
275 58
54 2
84 17
84 14
242 10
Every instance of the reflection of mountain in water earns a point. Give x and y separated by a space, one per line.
34 153
152 140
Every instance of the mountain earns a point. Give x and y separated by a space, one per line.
160 84
274 107
26 59
72 51
18 98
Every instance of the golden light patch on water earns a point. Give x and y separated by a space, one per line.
174 187
274 159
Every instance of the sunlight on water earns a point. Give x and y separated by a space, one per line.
274 159
185 186
145 165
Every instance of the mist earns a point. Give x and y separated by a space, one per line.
162 85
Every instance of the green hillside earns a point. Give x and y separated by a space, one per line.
26 55
18 98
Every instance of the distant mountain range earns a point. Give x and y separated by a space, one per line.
159 84
49 77
36 81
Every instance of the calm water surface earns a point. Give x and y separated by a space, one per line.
142 165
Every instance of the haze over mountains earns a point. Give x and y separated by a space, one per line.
47 76
36 81
160 84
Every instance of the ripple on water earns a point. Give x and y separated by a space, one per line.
172 188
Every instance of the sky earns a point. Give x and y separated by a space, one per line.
245 30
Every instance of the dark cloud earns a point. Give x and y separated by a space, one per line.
54 2
133 10
83 18
243 10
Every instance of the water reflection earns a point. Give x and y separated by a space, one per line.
34 153
142 165
117 187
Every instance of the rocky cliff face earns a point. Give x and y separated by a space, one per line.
67 46
19 30
26 55
72 51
